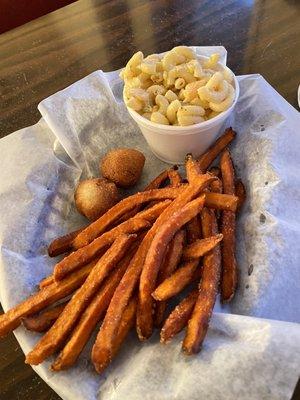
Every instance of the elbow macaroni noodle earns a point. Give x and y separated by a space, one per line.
177 88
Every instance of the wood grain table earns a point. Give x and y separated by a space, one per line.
53 51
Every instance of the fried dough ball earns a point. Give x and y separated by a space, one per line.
123 166
93 197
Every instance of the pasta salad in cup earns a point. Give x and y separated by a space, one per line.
177 88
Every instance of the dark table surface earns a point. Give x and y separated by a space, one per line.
53 51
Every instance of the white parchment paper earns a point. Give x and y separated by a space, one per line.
252 347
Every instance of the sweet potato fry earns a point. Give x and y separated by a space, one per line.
83 255
174 176
207 158
179 317
153 262
227 172
201 247
158 181
173 285
58 333
126 323
216 186
192 168
221 201
62 244
91 316
192 174
240 192
172 258
229 265
174 181
112 215
104 344
46 281
42 299
43 321
193 229
208 289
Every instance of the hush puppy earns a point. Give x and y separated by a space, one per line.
93 197
123 166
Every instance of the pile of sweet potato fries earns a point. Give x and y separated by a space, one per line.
123 269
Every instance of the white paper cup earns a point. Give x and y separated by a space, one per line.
172 143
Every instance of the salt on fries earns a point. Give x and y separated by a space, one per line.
240 193
171 261
174 177
123 268
62 244
83 255
179 317
200 247
208 289
153 262
229 270
91 316
44 320
173 285
44 298
57 334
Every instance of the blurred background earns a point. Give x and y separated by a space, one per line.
16 13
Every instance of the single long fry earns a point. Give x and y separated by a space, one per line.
112 215
62 244
42 299
173 285
208 289
207 158
104 344
83 255
58 333
91 316
201 247
172 258
193 229
126 323
179 317
240 192
153 262
229 264
219 201
43 321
